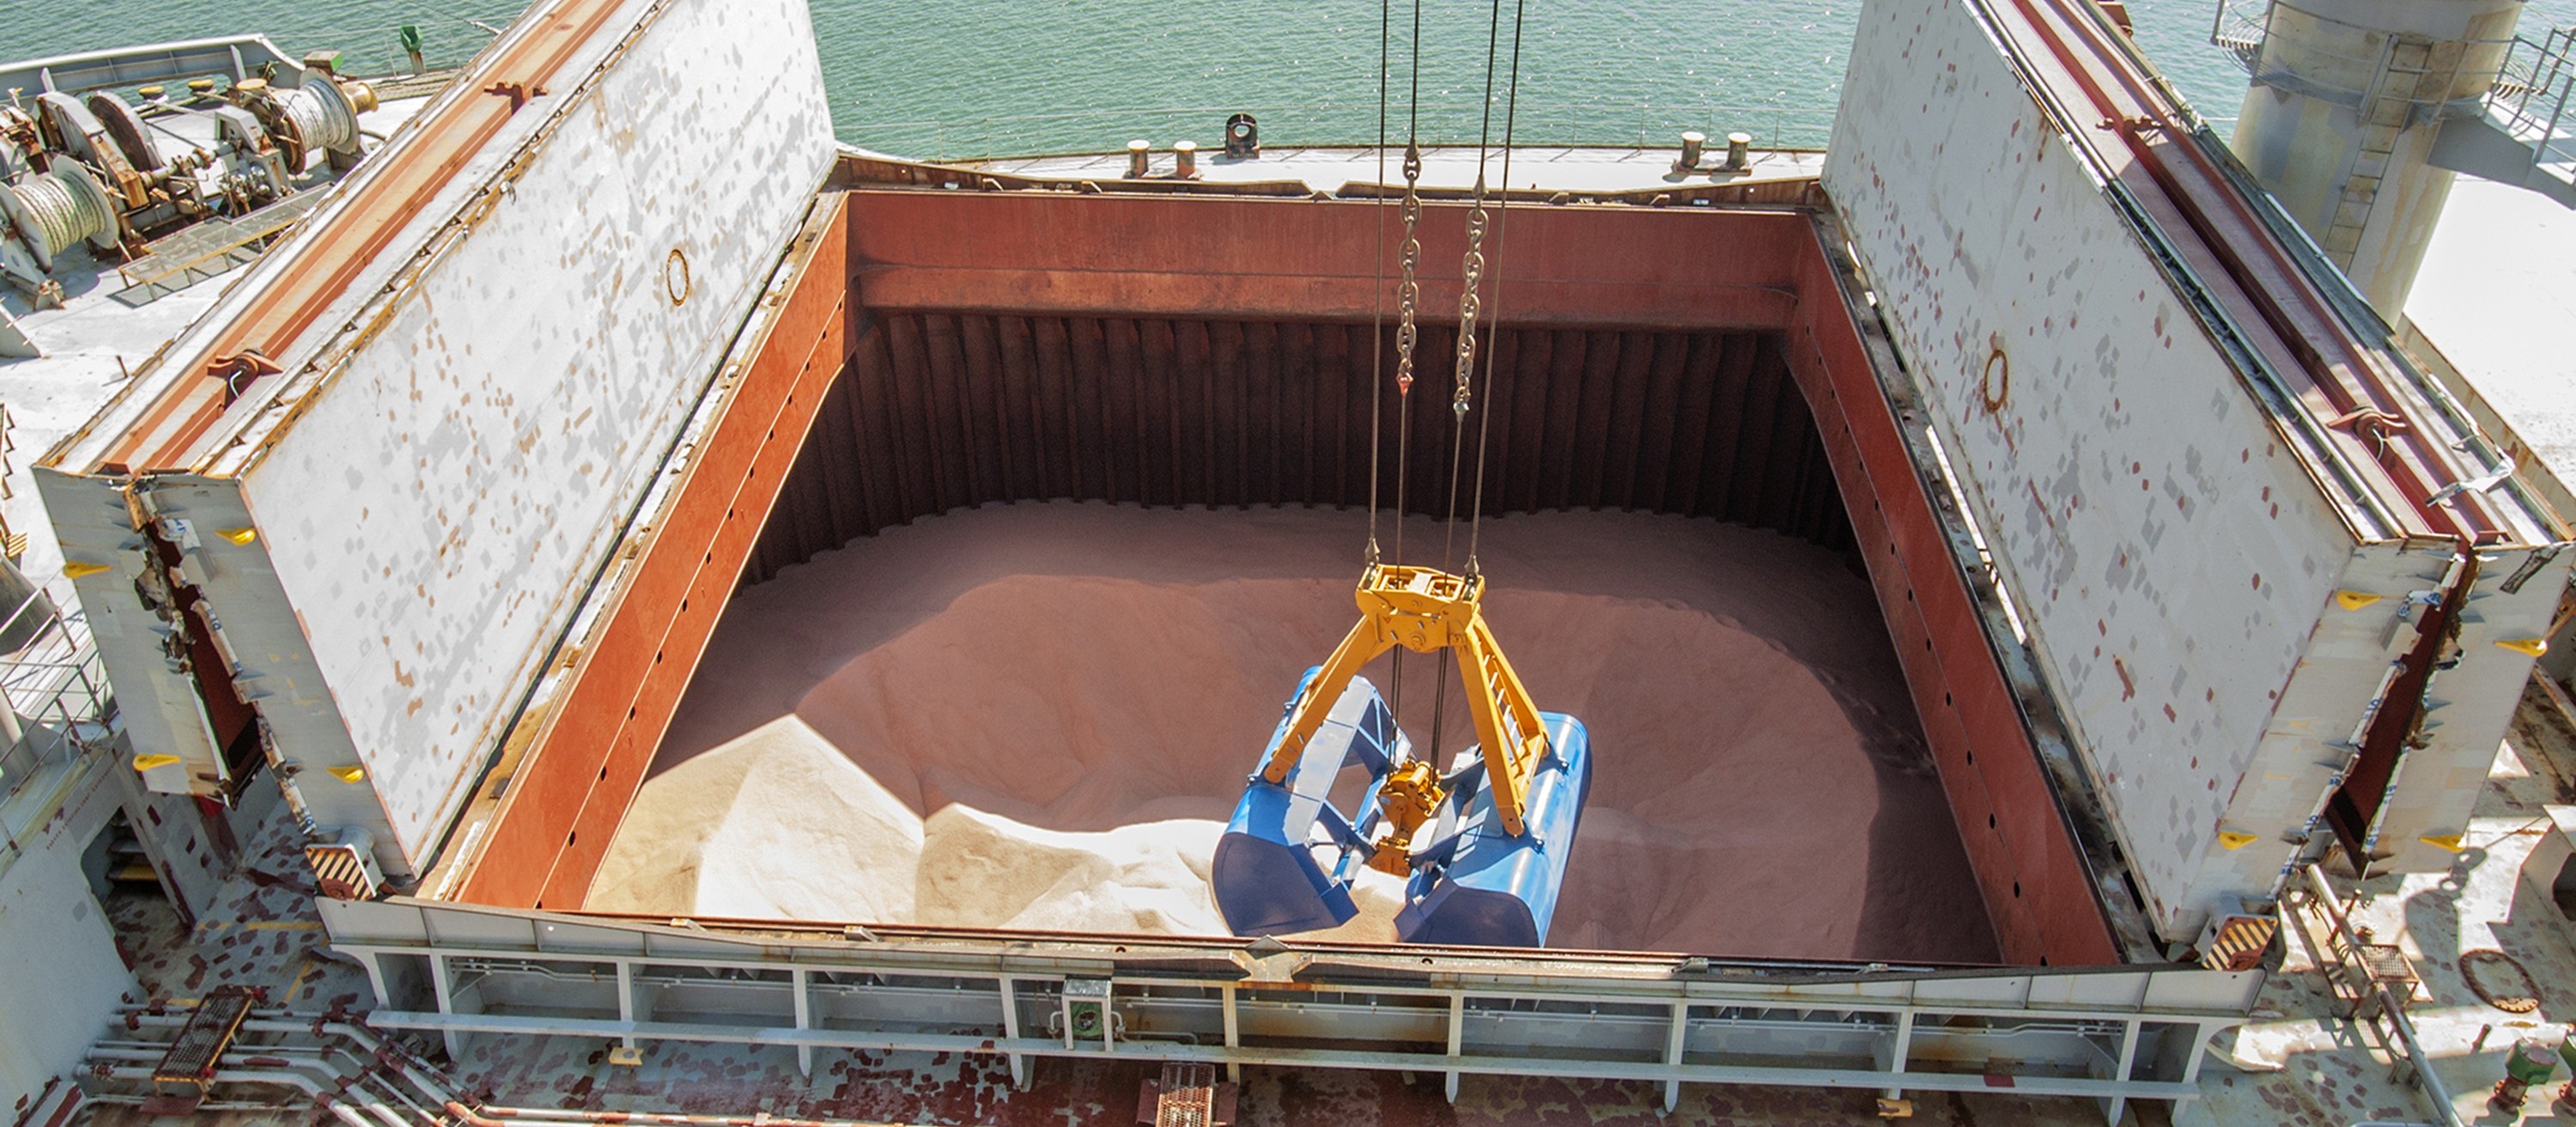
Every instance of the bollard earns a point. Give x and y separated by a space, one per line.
1138 153
1185 160
1739 152
1692 141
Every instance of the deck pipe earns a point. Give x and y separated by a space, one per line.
2390 1005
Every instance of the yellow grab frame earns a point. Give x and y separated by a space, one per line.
1426 610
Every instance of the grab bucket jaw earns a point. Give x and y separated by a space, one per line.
1476 885
1265 875
1473 883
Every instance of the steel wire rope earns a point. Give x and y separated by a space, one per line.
1408 295
1472 270
1377 313
1494 323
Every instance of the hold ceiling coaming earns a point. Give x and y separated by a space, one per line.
489 341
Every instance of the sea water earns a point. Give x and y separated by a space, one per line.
979 77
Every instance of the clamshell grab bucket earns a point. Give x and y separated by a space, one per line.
1473 883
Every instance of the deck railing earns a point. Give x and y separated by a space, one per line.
55 689
2530 95
2527 94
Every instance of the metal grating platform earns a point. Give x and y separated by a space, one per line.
201 1042
1187 1095
189 250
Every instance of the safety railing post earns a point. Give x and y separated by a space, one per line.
626 1001
1674 1040
1901 1053
1233 1035
2549 132
800 980
1457 1037
442 984
1011 1031
2121 1067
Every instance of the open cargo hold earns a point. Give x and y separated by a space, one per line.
1693 361
1039 716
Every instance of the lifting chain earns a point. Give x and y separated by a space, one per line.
1408 294
1469 305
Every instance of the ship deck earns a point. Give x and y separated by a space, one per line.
2301 1060
1358 169
109 329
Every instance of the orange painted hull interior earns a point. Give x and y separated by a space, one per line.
1211 359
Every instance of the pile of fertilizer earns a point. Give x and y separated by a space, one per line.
1039 716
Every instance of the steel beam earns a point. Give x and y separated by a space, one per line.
1456 1012
1312 260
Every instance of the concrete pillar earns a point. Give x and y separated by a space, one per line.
2346 98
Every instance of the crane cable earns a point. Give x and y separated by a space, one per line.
1470 306
1408 296
1377 319
1408 293
1494 324
1470 298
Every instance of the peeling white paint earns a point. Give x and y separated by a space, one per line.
2175 560
437 510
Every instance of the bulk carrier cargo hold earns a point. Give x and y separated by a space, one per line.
400 558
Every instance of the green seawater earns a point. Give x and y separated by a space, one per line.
979 77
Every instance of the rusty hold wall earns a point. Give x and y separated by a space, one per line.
943 411
1217 351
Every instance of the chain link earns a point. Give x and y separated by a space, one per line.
1408 294
1469 304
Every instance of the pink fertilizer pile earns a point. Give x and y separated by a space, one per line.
1040 715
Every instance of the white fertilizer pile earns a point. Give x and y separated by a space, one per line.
1040 716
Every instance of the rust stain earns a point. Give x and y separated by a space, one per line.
334 254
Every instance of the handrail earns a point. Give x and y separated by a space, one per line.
2246 36
2535 74
241 56
2393 1007
56 692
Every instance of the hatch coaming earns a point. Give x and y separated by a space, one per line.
926 266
